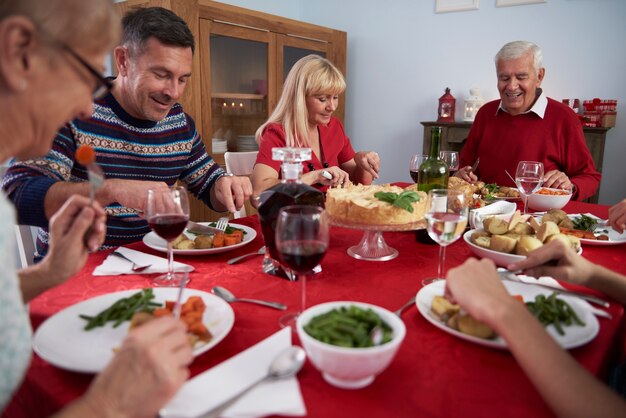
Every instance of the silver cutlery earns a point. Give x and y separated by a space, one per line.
230 298
135 267
511 276
475 166
399 311
179 299
285 365
510 176
234 260
197 228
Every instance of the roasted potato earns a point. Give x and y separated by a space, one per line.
469 325
497 226
502 243
443 309
523 229
179 239
566 223
526 244
185 244
203 242
546 229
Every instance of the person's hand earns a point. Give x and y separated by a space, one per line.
146 372
556 179
75 229
368 161
476 286
338 177
556 259
232 191
617 216
467 174
129 193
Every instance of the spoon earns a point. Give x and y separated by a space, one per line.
260 251
286 364
230 298
376 335
403 307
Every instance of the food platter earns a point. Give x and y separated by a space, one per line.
575 336
615 238
500 258
372 246
62 341
155 242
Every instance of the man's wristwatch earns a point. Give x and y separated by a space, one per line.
225 174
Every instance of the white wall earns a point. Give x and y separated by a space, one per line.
402 55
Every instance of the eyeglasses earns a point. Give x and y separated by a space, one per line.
104 85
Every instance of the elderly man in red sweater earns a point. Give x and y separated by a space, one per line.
526 125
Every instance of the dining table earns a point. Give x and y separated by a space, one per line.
434 373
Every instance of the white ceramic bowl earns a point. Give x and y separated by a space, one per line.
543 202
501 208
350 368
500 258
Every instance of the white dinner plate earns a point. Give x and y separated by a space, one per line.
500 258
155 242
575 335
615 238
62 340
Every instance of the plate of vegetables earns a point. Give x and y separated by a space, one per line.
84 337
593 231
241 235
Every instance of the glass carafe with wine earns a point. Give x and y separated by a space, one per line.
302 242
528 178
167 213
290 191
446 218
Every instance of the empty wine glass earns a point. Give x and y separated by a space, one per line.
167 212
446 218
528 177
452 159
302 241
414 165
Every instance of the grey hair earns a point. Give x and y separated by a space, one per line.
516 49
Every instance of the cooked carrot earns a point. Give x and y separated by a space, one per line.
230 240
85 155
518 297
161 312
218 240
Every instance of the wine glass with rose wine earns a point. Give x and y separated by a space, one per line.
446 219
167 212
528 177
301 241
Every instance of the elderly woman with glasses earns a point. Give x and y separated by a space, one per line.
51 56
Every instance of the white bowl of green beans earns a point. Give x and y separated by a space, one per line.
354 363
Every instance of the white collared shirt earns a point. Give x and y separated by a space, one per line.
539 108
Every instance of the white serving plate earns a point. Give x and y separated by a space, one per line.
62 340
155 242
575 336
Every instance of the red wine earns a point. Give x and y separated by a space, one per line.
168 227
414 175
302 256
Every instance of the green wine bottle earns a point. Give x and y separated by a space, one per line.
433 173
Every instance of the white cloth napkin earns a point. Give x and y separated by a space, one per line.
502 208
211 388
113 266
549 281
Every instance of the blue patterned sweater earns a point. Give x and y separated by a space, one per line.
126 148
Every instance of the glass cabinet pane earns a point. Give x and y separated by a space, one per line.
238 92
292 54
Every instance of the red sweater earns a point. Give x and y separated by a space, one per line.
502 140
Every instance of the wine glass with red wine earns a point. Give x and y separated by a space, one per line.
452 159
302 241
414 165
167 213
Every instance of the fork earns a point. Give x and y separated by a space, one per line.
135 267
222 223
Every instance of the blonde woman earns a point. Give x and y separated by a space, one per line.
303 118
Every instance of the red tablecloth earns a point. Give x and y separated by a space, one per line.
433 374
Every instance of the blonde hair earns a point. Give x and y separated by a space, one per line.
311 75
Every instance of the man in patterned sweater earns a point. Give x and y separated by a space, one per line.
141 135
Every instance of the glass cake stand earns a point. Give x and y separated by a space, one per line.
373 246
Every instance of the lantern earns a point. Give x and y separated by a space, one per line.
472 104
446 107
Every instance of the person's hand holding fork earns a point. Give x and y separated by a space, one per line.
467 173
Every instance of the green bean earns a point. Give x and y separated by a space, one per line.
554 311
122 310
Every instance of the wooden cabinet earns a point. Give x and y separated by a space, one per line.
242 58
453 136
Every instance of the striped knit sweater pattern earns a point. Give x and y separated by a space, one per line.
126 148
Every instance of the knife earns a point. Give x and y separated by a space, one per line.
196 228
510 276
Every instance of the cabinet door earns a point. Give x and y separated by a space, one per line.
236 85
289 49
